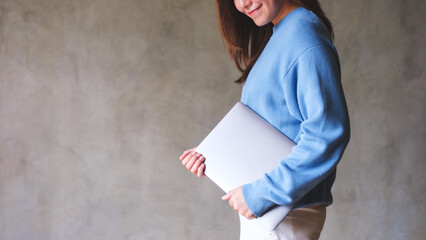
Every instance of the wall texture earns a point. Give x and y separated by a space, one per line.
99 98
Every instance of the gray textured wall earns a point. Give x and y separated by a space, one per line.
99 98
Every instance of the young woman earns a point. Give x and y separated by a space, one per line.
291 76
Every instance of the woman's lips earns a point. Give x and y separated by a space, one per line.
252 12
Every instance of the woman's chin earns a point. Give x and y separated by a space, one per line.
260 22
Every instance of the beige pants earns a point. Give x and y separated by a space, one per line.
300 224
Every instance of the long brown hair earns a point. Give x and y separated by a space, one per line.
245 40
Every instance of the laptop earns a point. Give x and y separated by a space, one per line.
241 149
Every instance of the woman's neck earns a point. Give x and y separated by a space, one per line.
287 7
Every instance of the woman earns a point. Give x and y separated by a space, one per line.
291 76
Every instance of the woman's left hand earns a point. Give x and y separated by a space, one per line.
236 200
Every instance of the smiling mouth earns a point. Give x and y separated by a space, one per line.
253 11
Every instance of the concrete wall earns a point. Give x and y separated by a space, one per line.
99 98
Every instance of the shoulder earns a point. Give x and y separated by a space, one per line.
301 30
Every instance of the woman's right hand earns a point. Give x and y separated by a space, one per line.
193 161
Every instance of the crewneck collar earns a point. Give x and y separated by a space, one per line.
287 18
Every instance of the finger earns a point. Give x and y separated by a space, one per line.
189 151
194 168
201 170
187 158
227 196
234 205
192 161
185 153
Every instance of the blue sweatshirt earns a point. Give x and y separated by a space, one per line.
295 85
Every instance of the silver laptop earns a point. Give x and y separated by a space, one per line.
241 149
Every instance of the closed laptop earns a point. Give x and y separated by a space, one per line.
241 149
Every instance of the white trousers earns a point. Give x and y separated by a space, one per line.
300 224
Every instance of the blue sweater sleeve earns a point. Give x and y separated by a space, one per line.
314 96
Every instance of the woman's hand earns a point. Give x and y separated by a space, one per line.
236 200
193 161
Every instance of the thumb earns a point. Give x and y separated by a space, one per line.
227 196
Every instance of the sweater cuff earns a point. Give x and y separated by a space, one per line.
256 198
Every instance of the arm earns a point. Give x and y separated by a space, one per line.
314 95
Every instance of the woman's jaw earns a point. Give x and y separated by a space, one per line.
263 12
